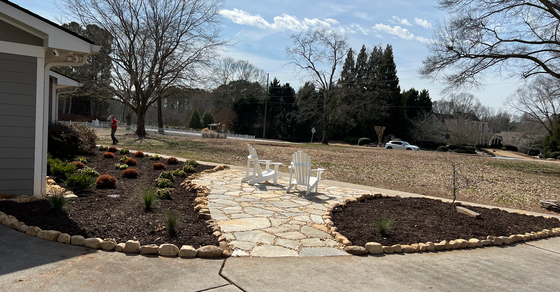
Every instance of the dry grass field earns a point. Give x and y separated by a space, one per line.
506 183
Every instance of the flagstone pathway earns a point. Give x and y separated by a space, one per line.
265 221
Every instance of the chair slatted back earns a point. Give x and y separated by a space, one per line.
253 155
301 163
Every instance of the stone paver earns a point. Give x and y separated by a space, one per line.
264 221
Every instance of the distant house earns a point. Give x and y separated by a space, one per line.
29 47
465 128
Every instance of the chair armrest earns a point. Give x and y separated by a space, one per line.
319 169
276 163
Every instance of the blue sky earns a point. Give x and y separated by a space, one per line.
261 31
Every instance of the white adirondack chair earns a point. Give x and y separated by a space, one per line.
301 170
257 175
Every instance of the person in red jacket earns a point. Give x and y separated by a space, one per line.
114 129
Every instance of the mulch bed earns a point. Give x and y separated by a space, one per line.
119 213
421 220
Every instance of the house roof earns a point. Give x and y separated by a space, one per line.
47 21
64 81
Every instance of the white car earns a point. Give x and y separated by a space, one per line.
402 145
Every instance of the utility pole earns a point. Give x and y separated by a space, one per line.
265 106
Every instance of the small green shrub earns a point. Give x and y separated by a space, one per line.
442 148
119 166
124 158
124 151
79 182
168 175
148 198
106 182
113 149
50 162
58 201
130 173
164 193
384 225
81 159
62 170
108 155
139 154
364 141
88 171
191 162
163 183
102 148
155 157
172 160
159 165
131 162
189 169
179 172
171 220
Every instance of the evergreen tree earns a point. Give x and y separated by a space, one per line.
247 109
361 69
194 120
396 123
348 73
207 118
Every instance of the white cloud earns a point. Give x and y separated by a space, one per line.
423 23
400 32
402 21
281 23
363 15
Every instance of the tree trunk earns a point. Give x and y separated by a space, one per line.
325 139
70 105
159 117
140 120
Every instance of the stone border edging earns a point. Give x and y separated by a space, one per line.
134 246
377 248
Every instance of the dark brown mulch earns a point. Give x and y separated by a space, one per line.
119 213
419 220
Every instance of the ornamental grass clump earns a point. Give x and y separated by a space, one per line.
159 165
109 155
79 182
106 182
148 198
131 162
171 220
130 173
172 160
58 201
139 154
384 225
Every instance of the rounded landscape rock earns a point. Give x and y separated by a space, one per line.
149 249
168 250
33 230
108 244
64 237
209 251
187 251
93 242
355 250
132 246
77 240
374 248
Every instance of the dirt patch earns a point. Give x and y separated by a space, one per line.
119 213
418 220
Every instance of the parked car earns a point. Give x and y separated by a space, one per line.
402 145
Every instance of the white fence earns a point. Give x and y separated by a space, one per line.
168 131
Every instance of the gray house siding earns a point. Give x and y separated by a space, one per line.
18 83
10 33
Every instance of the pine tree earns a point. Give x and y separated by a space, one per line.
348 73
194 120
361 69
207 118
397 123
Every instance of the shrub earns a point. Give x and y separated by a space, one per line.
553 155
164 193
108 155
159 165
139 154
166 174
130 173
155 157
172 160
124 158
442 148
148 198
112 149
179 172
189 169
121 166
124 151
192 163
106 182
102 148
453 147
78 164
533 152
466 151
81 159
79 182
364 141
58 201
171 223
67 141
131 162
384 225
510 148
88 171
50 162
163 183
62 171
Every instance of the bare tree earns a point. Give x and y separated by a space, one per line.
539 101
227 69
156 44
520 36
319 52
